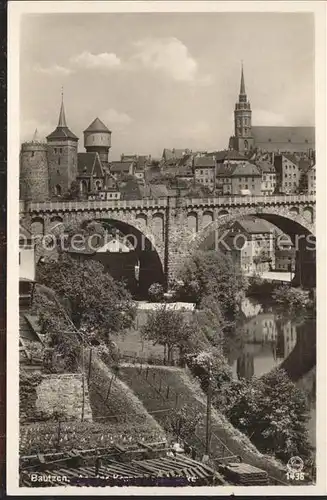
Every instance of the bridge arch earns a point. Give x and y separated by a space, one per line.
146 251
207 217
298 227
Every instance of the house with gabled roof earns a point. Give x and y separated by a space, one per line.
90 172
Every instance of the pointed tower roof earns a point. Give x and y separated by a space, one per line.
62 131
62 117
242 87
97 126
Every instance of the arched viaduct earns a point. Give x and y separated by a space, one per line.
170 229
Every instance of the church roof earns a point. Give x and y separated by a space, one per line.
284 138
242 87
97 126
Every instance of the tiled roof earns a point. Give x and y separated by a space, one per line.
184 171
305 165
86 162
131 190
120 167
225 169
283 136
158 190
174 154
245 169
266 167
253 226
97 126
228 154
62 133
291 157
204 161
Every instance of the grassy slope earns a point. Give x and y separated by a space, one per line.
190 393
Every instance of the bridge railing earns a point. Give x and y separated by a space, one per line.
163 203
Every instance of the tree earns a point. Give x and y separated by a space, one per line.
156 292
73 192
182 423
98 304
212 273
169 329
291 298
273 412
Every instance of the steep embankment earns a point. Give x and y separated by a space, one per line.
162 388
113 402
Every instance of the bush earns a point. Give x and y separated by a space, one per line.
273 412
156 292
291 298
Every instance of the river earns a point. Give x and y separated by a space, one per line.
268 337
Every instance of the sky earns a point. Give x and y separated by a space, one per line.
164 80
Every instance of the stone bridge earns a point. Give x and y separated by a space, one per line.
167 230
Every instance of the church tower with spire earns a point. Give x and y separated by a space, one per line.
62 156
243 140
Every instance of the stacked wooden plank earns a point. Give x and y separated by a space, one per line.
245 474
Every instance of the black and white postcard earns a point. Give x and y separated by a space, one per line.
166 248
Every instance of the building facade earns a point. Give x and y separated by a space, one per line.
250 244
287 173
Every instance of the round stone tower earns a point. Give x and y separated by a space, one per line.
97 139
34 173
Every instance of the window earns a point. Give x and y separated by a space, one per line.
32 154
55 150
58 161
60 150
58 171
294 175
57 190
246 186
289 140
269 140
285 176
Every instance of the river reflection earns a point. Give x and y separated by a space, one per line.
267 337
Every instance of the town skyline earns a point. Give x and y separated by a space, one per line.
154 85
